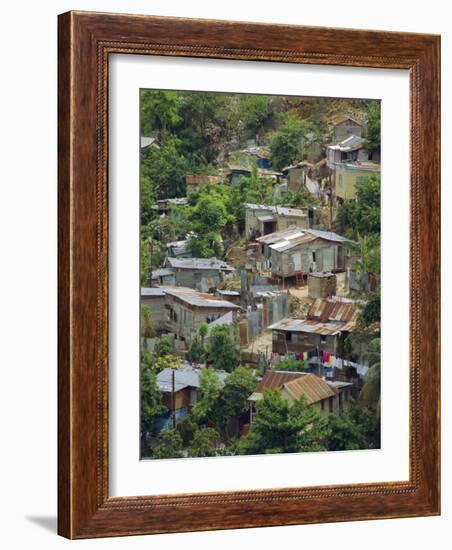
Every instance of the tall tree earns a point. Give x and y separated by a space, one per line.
164 169
253 111
351 430
150 397
233 399
286 144
210 387
373 132
160 110
197 351
209 216
281 427
362 216
223 349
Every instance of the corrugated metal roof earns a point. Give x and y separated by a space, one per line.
366 166
321 275
287 244
350 144
163 272
261 290
273 380
199 263
311 387
339 384
152 292
147 141
185 376
288 238
280 235
279 210
238 168
343 118
312 327
225 319
328 236
326 316
177 244
333 309
198 299
290 212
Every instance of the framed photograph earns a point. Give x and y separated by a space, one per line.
248 275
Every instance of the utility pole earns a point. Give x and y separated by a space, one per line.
151 248
330 198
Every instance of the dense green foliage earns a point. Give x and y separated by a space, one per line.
151 397
286 144
371 312
203 443
197 351
147 325
163 170
223 349
281 427
210 387
353 429
362 216
373 133
160 110
170 445
290 364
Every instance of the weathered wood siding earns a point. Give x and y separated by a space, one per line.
317 255
298 342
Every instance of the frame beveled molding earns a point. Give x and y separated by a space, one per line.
85 42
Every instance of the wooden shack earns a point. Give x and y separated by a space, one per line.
202 274
303 251
327 323
186 309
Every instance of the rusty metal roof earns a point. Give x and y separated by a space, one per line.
311 387
326 316
273 380
312 327
333 309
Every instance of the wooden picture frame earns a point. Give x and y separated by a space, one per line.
86 40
